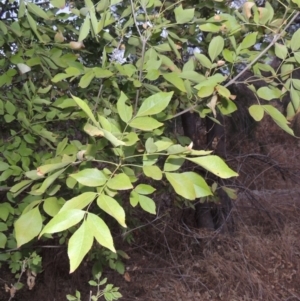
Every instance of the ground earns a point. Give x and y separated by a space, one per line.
259 259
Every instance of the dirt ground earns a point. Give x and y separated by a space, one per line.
172 260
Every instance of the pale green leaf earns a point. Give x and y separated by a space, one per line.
155 104
173 163
145 123
35 9
47 182
175 80
269 93
112 139
134 198
183 16
204 60
210 27
257 112
28 226
147 204
144 189
215 165
58 3
278 117
182 185
44 169
79 244
84 29
295 42
200 186
20 185
63 220
119 182
113 208
93 131
86 109
91 177
124 111
281 51
249 40
3 240
51 206
86 79
100 231
153 172
80 201
215 47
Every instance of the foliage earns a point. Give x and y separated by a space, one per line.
87 99
109 292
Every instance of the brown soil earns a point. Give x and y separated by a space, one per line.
172 260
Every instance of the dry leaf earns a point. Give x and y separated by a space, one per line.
127 277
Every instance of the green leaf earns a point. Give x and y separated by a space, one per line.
86 109
182 185
249 40
175 80
102 73
281 51
84 29
147 204
268 93
86 79
20 185
3 240
155 104
63 220
79 245
10 108
51 206
59 77
144 189
134 198
295 41
80 201
93 131
112 139
58 3
33 26
47 182
183 16
3 166
256 112
278 117
124 110
44 169
215 165
28 226
113 208
204 60
145 123
210 27
91 177
215 47
100 231
173 163
119 182
200 186
153 172
35 9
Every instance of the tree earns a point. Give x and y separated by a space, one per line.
88 97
